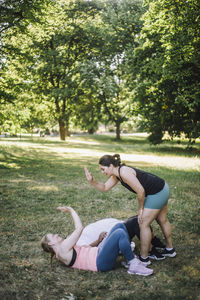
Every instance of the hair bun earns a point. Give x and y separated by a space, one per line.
117 158
106 160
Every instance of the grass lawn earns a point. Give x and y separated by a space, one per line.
38 174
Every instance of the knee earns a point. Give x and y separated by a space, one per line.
120 232
162 220
144 225
146 222
119 225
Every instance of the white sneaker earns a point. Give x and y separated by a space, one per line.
136 267
125 264
132 246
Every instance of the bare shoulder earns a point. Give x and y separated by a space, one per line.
126 171
113 178
65 255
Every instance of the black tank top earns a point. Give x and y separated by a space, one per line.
151 183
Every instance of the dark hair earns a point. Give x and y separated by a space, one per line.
106 160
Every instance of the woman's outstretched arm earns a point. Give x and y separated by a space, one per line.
102 187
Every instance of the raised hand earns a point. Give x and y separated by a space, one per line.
88 175
64 208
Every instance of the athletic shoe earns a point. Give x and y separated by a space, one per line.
125 264
156 242
136 267
132 246
168 253
144 261
154 254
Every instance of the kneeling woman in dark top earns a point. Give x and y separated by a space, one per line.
93 258
152 194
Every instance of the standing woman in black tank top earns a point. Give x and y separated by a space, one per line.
152 194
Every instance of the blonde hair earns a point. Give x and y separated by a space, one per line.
46 247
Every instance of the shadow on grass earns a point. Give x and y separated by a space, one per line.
37 180
41 174
109 143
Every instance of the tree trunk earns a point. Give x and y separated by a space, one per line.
118 130
67 132
91 131
61 129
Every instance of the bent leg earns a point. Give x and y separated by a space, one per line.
117 240
149 215
153 207
133 227
162 220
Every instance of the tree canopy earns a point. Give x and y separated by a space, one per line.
86 62
168 69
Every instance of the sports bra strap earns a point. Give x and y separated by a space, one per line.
73 258
119 172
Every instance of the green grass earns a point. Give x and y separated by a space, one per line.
38 174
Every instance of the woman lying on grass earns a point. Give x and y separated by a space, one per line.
93 258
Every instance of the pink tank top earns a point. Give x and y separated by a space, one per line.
86 258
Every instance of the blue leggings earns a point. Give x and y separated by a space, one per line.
117 240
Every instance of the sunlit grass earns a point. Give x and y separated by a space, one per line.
88 147
38 174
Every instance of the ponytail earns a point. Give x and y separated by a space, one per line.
47 248
107 160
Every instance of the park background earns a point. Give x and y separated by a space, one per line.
80 79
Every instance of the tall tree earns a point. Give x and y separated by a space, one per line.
15 18
56 46
87 106
51 54
168 69
122 23
115 97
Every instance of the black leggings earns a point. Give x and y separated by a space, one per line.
133 227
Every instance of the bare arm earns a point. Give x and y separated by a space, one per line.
129 176
99 240
71 240
102 187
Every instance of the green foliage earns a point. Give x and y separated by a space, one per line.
60 50
51 53
100 61
168 69
121 19
19 13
